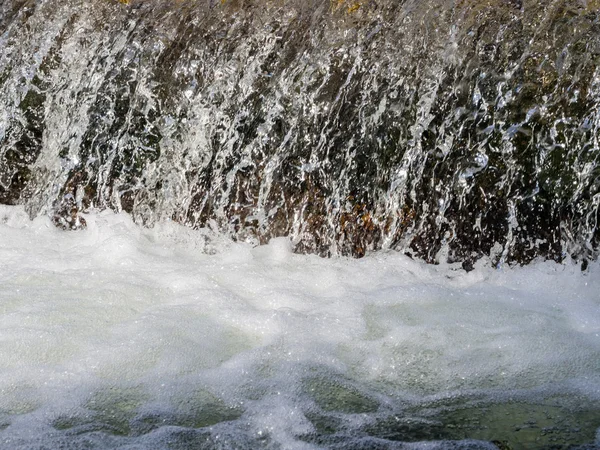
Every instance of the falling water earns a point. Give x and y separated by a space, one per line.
172 171
449 130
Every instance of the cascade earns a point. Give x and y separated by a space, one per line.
445 129
149 148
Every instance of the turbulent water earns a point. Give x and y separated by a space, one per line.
126 337
450 130
172 172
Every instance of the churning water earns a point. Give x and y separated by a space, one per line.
196 148
169 338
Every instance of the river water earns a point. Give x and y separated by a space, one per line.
185 185
119 336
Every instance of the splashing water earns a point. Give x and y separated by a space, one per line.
450 130
120 337
177 136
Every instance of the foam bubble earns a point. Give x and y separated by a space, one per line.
121 336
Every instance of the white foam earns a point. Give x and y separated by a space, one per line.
145 318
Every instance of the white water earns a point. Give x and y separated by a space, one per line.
118 336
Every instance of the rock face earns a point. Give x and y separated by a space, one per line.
447 129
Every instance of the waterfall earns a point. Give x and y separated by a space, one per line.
449 130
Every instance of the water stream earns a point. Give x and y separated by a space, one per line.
450 130
119 336
173 172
